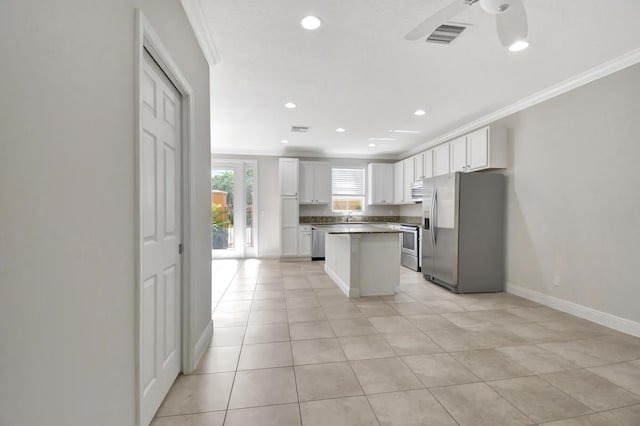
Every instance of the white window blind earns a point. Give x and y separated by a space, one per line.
347 190
347 182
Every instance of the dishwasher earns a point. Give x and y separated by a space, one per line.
317 244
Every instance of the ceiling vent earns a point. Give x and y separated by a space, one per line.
446 34
300 129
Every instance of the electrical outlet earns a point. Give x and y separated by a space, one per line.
556 280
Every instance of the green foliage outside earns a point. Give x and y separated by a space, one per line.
224 182
217 216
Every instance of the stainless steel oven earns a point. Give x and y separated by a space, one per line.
410 254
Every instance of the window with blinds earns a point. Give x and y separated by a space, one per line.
347 190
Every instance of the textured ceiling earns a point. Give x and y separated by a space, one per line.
358 72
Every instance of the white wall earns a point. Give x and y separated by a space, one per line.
574 196
67 267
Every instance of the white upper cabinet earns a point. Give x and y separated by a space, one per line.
398 182
441 160
306 182
427 168
478 149
423 165
458 152
418 166
289 177
322 183
408 179
484 148
315 182
380 183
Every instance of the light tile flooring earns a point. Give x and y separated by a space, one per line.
289 349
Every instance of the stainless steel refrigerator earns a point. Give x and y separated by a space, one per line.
463 231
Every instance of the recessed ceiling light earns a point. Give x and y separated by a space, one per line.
340 130
404 131
518 46
290 105
311 22
372 145
420 112
284 141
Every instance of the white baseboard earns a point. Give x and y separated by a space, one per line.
268 256
599 317
346 289
203 343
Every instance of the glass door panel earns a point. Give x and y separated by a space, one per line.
233 203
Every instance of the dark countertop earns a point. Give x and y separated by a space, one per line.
355 228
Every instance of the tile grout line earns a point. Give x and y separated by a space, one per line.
363 391
226 412
525 342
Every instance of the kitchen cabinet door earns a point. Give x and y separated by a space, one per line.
380 185
386 180
441 160
398 181
289 226
427 157
307 182
459 154
304 243
322 183
289 177
478 149
408 179
418 166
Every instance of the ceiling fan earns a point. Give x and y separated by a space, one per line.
511 21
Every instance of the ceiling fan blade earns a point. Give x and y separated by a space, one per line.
429 25
512 24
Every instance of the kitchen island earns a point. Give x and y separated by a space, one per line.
363 260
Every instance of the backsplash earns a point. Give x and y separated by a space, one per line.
370 219
370 210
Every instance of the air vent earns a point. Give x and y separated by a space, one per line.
445 34
300 129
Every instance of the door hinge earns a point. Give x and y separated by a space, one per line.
180 248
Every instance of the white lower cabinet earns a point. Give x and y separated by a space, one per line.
289 226
304 241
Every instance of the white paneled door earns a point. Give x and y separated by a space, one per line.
160 234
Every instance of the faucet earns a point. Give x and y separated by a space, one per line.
349 217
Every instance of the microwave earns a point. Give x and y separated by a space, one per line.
417 191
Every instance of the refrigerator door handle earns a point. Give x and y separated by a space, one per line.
433 217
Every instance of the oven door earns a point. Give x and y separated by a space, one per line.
409 240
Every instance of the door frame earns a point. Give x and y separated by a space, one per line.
243 164
147 38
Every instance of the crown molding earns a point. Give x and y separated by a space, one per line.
196 16
298 154
626 60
